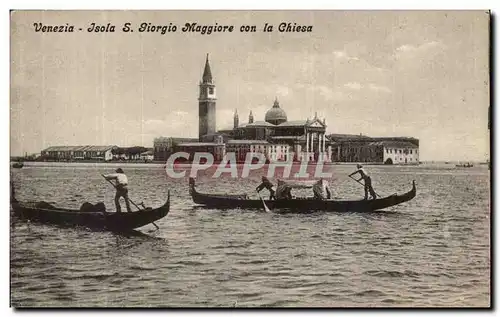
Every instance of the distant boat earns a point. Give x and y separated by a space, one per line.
18 165
465 165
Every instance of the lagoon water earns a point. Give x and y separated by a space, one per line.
433 251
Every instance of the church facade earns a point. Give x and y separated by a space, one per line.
305 139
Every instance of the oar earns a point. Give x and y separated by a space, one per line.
115 188
263 203
359 182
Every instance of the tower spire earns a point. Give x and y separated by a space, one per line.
236 120
207 73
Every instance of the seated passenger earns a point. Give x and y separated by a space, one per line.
321 190
283 191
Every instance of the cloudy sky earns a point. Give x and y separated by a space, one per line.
405 73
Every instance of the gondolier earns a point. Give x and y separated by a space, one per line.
267 185
121 188
367 181
321 190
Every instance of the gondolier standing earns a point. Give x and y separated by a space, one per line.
121 188
367 181
267 185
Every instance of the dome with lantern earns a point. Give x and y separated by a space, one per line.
276 115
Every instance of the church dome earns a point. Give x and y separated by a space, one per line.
276 115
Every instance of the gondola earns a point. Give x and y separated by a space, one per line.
95 219
299 204
18 165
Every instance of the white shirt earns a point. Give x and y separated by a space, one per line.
362 170
121 179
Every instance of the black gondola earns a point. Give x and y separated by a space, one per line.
102 220
299 204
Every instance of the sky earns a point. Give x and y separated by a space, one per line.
421 74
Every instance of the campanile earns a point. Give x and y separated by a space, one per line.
206 102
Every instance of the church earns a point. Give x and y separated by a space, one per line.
278 138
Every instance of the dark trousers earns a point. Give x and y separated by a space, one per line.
369 188
272 192
122 191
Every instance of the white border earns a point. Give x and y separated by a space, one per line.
213 5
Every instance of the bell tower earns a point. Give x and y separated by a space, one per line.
206 103
236 120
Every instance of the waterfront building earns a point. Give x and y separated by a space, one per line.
217 149
147 156
163 147
96 153
383 150
80 152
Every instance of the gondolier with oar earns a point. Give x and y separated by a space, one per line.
121 188
367 181
267 185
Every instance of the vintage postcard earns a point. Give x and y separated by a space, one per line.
250 159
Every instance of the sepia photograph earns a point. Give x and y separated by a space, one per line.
250 159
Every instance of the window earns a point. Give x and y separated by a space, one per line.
210 90
387 151
400 151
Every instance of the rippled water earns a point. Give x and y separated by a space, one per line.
431 251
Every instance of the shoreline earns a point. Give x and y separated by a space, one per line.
188 164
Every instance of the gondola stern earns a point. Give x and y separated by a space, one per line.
192 182
167 204
13 199
192 189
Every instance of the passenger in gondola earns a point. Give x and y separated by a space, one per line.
121 188
283 191
367 181
267 185
321 190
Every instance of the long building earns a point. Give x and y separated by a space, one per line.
79 152
386 150
95 153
